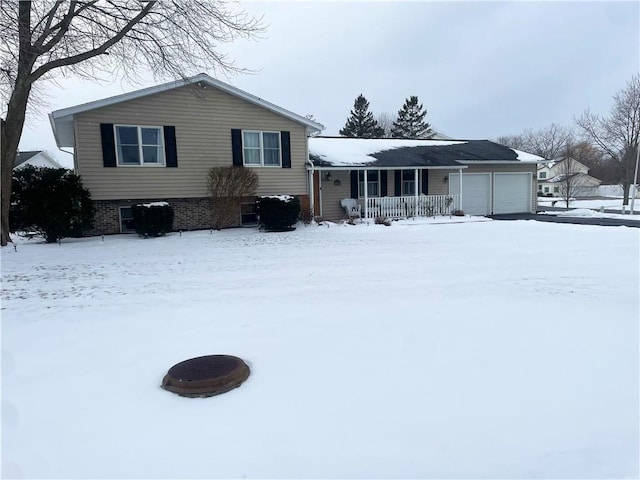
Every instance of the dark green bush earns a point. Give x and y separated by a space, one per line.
50 202
152 219
278 213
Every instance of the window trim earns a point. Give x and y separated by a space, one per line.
119 162
122 230
261 149
243 224
542 175
378 181
412 182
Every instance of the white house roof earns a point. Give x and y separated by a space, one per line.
336 152
62 120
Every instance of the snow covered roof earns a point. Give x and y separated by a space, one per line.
24 156
62 120
330 152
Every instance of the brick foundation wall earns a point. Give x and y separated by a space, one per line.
189 213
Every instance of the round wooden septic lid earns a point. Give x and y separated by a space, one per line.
206 376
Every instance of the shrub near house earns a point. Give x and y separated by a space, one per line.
50 202
278 213
152 219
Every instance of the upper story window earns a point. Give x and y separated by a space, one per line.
542 175
139 145
261 148
373 183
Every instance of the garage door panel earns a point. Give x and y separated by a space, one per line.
512 193
476 192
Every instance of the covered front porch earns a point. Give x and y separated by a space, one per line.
389 193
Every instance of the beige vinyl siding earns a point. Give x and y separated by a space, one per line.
332 194
203 119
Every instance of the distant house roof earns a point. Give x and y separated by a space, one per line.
62 120
564 177
327 152
24 156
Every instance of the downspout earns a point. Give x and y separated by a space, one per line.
311 192
72 154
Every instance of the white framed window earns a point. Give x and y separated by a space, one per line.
138 145
556 189
546 189
373 183
408 182
126 220
261 149
542 175
248 215
540 187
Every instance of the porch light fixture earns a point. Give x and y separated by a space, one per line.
445 179
328 177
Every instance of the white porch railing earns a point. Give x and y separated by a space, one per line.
402 207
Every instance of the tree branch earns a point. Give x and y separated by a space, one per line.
72 60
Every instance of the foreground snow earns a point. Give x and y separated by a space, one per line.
478 350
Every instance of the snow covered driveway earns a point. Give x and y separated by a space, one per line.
474 350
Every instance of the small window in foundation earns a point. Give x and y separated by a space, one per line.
126 220
248 216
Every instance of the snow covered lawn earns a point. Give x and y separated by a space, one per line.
609 203
475 350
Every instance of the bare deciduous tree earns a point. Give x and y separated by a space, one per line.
385 120
619 133
227 188
570 180
547 142
94 38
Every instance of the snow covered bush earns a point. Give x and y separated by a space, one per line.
227 187
50 202
278 213
152 219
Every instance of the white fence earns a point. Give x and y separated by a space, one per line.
402 207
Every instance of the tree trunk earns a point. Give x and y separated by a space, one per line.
11 133
625 193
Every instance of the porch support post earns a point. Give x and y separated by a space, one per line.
366 195
460 177
415 184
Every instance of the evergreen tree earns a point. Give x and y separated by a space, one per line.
51 202
361 123
410 122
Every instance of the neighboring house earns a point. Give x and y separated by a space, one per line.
397 177
560 174
157 144
35 158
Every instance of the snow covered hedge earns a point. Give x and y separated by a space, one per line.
152 219
278 213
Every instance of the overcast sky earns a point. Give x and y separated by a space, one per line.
481 69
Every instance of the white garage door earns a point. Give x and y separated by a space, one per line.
476 192
512 192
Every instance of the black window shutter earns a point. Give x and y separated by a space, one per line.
285 140
170 149
383 183
236 146
425 182
354 184
397 188
108 145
